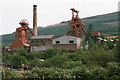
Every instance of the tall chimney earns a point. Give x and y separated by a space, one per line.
35 20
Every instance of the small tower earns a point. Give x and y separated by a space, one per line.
76 26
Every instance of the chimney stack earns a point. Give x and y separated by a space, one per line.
35 20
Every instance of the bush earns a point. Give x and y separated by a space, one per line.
17 61
97 73
8 73
73 64
56 61
112 71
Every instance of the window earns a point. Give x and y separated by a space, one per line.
71 41
41 40
57 42
37 41
36 45
32 41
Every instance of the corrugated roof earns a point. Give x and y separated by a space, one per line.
42 36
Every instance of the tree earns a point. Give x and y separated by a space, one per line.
29 74
112 71
17 61
110 45
50 53
22 52
91 43
56 61
36 62
80 73
97 73
105 46
8 73
73 64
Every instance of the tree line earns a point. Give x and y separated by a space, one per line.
99 62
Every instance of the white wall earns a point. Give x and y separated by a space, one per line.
65 40
40 48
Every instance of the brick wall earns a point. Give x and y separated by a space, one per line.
72 47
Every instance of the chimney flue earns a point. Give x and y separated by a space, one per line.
35 20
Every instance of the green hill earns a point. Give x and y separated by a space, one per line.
99 23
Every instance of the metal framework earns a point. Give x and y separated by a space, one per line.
76 26
22 33
89 31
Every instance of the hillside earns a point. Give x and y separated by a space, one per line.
106 24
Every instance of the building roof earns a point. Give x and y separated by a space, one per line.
66 37
112 37
95 33
42 37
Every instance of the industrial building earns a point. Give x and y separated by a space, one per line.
41 42
44 42
67 42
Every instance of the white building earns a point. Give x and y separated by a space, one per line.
67 42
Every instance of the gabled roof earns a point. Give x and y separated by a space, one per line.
66 37
42 37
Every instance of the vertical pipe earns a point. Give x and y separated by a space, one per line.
35 20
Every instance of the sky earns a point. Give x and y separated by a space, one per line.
49 12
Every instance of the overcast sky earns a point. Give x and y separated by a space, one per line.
49 11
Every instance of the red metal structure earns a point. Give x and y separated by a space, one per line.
76 26
22 36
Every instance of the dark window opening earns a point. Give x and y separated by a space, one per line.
44 44
37 41
36 45
71 41
57 42
41 40
32 41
